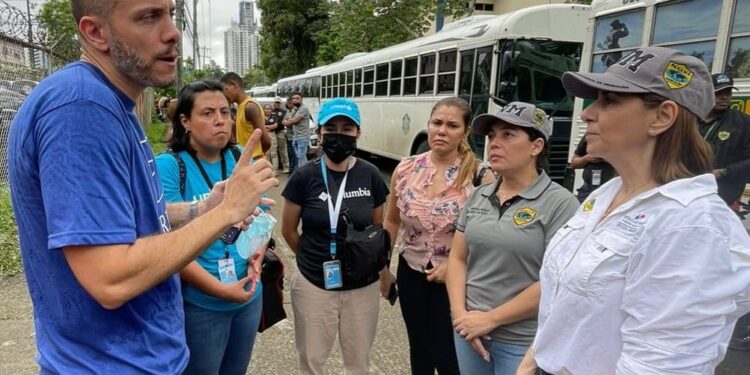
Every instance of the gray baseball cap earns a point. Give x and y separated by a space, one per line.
516 113
662 71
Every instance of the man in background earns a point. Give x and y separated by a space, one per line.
249 113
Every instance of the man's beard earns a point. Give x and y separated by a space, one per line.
125 58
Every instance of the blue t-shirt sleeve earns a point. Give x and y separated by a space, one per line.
169 175
85 176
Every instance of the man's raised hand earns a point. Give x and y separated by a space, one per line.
245 188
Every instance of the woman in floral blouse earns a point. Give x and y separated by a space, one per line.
430 191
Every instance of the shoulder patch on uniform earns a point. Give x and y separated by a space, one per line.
589 205
723 135
524 216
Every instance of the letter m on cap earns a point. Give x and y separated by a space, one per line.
513 109
634 60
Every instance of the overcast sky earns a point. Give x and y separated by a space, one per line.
213 15
222 12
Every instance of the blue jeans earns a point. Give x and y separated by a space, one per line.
292 155
221 342
504 358
300 150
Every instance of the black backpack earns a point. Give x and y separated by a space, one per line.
181 165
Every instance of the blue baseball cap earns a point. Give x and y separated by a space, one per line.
339 107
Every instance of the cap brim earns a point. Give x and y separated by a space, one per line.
483 123
587 85
724 87
325 120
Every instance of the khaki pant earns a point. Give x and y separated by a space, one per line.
281 144
320 314
271 154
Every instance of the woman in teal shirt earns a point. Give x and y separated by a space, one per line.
221 290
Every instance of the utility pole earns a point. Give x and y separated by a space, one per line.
196 50
31 34
179 22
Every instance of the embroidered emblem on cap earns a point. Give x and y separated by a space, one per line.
677 75
524 216
723 136
539 117
589 205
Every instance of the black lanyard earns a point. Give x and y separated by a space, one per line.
203 171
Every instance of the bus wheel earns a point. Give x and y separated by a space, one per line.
423 147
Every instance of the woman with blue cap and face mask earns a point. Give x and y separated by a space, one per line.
321 194
653 270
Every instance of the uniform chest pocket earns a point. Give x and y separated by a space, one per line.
601 261
555 254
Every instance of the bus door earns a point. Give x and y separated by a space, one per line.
474 86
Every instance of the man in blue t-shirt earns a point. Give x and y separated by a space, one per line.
96 240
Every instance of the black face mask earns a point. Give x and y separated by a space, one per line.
338 147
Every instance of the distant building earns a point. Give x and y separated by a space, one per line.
242 41
12 52
247 12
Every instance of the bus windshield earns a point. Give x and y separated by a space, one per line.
535 68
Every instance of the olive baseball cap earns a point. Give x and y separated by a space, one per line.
515 113
657 70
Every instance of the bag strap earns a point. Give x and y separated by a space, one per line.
181 169
235 152
480 175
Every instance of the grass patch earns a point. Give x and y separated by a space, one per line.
155 134
10 257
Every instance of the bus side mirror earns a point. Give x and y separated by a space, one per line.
505 92
508 62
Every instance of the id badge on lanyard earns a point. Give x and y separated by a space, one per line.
332 269
227 271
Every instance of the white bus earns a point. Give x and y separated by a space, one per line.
487 60
262 91
716 31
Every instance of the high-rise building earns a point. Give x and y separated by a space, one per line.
242 41
247 13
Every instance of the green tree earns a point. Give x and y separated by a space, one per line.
291 34
367 25
255 77
56 18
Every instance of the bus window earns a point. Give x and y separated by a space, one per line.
467 71
335 85
427 75
447 72
349 84
342 84
738 61
410 76
331 89
357 82
369 81
395 89
671 30
324 87
381 80
316 87
615 36
482 73
539 66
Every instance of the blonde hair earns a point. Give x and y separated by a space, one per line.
680 151
469 161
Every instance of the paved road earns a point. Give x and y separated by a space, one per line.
274 350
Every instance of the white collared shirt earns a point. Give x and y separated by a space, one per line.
655 288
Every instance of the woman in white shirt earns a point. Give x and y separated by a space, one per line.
652 272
